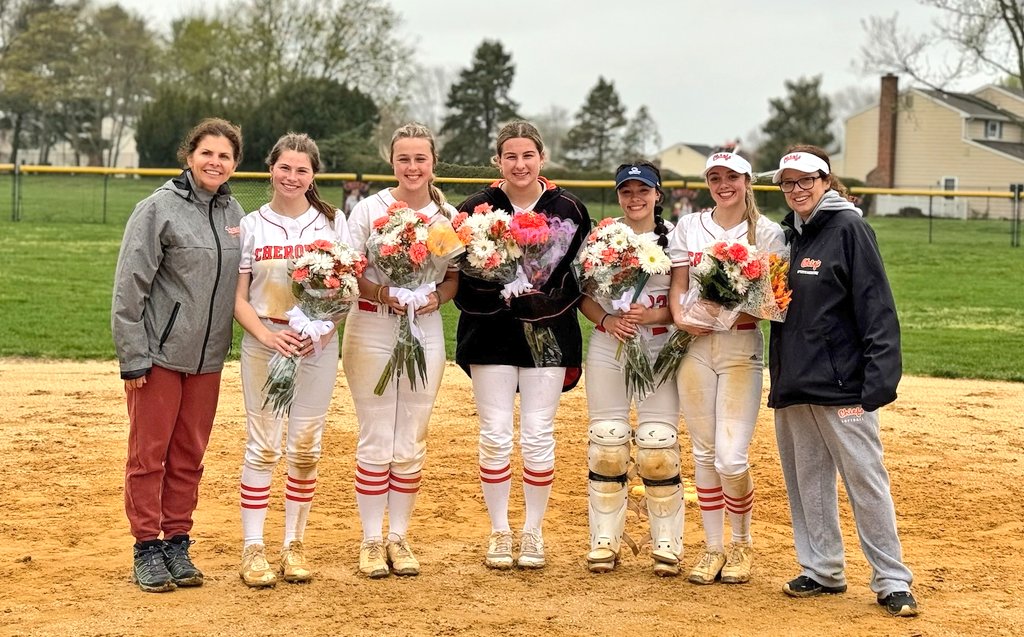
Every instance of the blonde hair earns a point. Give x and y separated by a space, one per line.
752 213
415 130
514 130
303 143
831 179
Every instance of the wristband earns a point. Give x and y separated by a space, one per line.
380 301
606 315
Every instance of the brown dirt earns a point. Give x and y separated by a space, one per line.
953 452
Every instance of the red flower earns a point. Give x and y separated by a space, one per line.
380 222
484 207
460 219
398 205
422 217
738 252
752 270
323 244
332 282
300 275
607 221
530 228
720 250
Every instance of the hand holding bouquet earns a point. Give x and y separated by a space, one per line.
733 278
324 285
615 265
410 251
543 243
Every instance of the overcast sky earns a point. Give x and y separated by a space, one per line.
705 69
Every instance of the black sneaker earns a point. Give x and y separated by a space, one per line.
899 604
149 570
804 586
178 562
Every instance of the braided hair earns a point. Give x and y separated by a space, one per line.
660 229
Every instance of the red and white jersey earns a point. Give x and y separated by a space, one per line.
360 224
270 241
655 292
696 231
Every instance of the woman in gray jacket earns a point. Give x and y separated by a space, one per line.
171 319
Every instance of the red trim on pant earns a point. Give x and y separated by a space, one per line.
489 475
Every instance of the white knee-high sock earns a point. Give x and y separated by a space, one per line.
536 491
496 485
401 501
372 497
712 506
255 497
298 499
739 503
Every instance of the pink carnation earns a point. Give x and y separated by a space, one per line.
720 250
300 275
459 219
483 207
738 252
418 253
388 250
607 221
332 282
752 270
380 222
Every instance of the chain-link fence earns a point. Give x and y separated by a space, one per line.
44 194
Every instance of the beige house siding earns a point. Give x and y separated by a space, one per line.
1003 99
682 159
930 147
860 152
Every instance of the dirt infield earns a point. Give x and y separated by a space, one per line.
954 451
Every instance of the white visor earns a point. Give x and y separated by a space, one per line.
804 162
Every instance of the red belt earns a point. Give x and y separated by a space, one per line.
275 320
370 306
655 331
746 326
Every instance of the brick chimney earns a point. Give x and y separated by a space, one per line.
884 173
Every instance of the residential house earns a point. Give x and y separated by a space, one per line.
926 139
687 160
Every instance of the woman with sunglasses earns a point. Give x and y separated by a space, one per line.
834 362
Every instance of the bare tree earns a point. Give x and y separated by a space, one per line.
428 92
969 37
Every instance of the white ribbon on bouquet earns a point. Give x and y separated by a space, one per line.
518 285
413 300
305 326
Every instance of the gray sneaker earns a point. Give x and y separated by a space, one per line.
531 549
499 550
178 562
149 570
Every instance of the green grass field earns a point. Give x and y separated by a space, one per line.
959 297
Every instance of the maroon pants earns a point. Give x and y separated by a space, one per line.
170 421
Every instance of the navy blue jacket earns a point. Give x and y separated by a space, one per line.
840 343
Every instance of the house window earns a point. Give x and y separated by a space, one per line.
949 183
993 129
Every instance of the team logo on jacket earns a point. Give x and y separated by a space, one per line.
847 414
809 266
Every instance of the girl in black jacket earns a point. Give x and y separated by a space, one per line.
493 350
833 363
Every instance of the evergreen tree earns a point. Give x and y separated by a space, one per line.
641 138
804 116
477 104
594 141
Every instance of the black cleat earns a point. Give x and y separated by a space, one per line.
804 586
178 562
149 570
899 604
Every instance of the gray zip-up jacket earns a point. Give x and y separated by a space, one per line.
174 287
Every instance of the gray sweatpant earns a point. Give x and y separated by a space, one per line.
814 442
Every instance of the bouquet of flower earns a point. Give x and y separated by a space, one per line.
615 265
492 253
324 286
733 278
410 251
543 242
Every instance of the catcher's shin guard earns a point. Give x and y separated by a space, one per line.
658 463
608 460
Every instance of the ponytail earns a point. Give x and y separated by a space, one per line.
751 214
660 229
314 199
438 198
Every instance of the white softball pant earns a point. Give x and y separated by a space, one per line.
392 426
313 388
606 385
494 389
719 386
